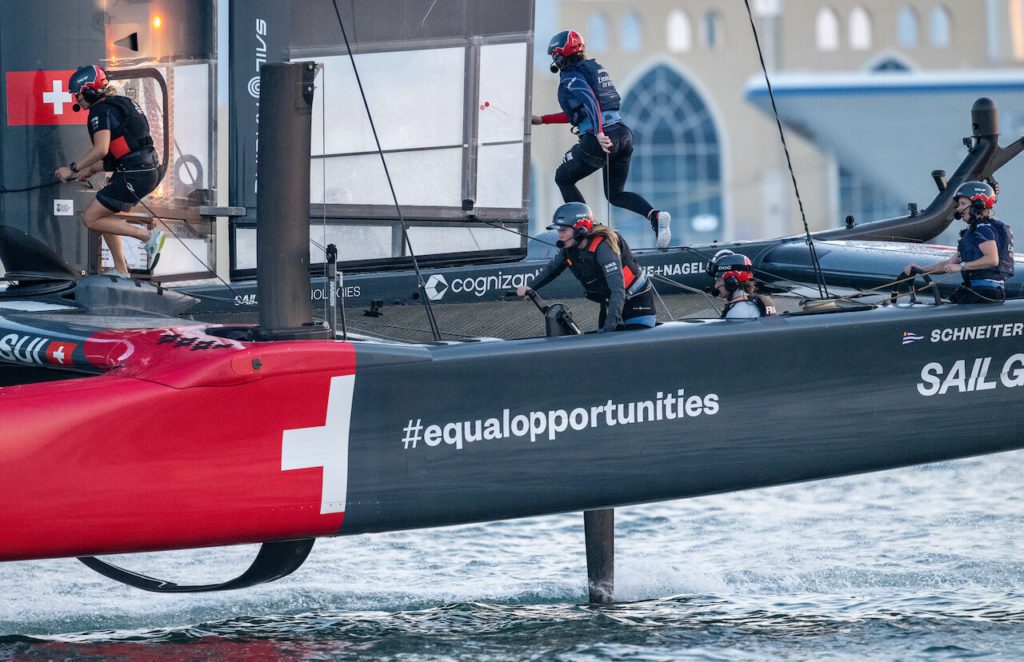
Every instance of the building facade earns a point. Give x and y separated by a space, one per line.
713 158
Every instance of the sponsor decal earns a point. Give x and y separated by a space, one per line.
193 343
253 87
59 353
678 269
437 285
40 98
34 350
611 268
550 423
979 332
320 294
325 446
911 337
63 207
968 375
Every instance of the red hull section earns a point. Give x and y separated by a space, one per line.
182 446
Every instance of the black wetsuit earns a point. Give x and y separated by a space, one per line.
616 282
131 156
590 102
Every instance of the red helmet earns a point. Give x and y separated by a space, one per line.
977 191
90 81
726 265
563 46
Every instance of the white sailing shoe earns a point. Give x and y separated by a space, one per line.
662 224
154 246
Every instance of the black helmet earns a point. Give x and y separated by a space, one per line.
572 215
980 194
564 46
90 81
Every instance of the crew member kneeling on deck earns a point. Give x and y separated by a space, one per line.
984 254
734 282
600 258
121 144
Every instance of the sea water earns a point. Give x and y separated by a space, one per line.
918 563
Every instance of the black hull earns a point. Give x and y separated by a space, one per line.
796 398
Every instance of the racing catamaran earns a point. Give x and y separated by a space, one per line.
127 429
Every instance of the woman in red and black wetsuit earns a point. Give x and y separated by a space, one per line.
121 144
601 260
590 102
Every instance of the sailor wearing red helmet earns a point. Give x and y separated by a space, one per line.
601 260
984 254
121 144
590 102
734 282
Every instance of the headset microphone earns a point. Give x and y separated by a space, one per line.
560 244
76 108
553 68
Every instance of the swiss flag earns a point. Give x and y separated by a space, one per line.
59 353
41 97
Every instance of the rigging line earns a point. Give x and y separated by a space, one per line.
685 288
607 188
401 218
663 304
494 224
819 276
4 189
323 183
181 241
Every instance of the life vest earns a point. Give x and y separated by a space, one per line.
1004 241
599 82
764 304
131 136
630 269
1004 246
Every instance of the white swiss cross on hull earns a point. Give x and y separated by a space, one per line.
325 446
58 97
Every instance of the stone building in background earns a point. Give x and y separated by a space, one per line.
874 94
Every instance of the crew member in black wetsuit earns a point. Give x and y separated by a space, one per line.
590 103
984 254
121 144
600 258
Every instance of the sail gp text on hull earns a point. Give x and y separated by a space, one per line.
965 377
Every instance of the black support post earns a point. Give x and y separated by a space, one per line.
282 200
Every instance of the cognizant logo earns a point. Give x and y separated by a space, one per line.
437 286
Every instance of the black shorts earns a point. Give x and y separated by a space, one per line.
116 195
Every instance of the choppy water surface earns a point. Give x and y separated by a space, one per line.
921 563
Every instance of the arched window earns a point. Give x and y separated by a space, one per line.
860 29
677 160
826 30
679 32
906 27
596 37
713 30
891 65
940 28
632 32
